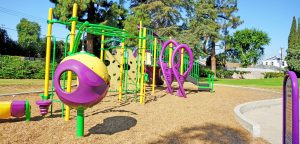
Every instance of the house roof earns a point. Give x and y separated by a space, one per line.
273 58
232 65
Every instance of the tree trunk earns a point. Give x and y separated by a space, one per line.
89 43
204 45
91 18
213 57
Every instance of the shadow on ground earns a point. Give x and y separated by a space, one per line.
209 133
113 125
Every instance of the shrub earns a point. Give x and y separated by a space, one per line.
224 73
204 72
273 75
14 67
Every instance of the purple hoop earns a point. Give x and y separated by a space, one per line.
91 89
181 78
167 72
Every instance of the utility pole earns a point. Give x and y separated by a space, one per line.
281 60
281 53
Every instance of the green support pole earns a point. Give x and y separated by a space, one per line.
52 74
27 111
62 110
126 73
64 75
80 122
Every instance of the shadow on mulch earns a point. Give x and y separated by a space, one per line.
209 133
113 125
110 110
36 118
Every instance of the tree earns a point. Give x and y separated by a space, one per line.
292 40
94 11
298 34
210 22
293 51
29 36
161 15
248 46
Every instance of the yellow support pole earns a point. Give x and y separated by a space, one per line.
154 65
102 47
121 70
69 78
139 51
181 62
170 53
142 92
48 52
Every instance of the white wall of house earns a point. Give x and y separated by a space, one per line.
275 62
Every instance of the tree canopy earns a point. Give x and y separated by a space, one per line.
248 46
29 36
293 51
7 45
208 23
94 11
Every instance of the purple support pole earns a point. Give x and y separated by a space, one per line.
290 109
181 78
167 72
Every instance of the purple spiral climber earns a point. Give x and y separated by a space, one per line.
44 106
181 78
167 72
173 72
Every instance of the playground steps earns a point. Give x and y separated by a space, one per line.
204 89
192 80
201 86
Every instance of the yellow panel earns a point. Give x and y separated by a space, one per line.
92 62
114 70
5 109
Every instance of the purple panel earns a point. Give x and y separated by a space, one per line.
18 108
181 78
295 108
91 90
167 72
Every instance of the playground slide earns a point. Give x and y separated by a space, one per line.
158 80
192 80
149 71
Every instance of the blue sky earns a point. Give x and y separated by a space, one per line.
272 16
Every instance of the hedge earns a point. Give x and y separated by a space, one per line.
15 67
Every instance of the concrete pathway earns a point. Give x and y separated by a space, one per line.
270 121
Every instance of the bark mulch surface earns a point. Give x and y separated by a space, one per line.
203 117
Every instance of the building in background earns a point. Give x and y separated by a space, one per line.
275 61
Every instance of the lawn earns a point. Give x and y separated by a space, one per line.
22 85
271 83
7 82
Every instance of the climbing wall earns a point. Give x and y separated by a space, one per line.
114 60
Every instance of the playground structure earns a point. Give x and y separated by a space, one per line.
93 79
16 108
93 85
290 134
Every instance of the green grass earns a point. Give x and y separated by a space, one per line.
22 85
272 83
8 82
